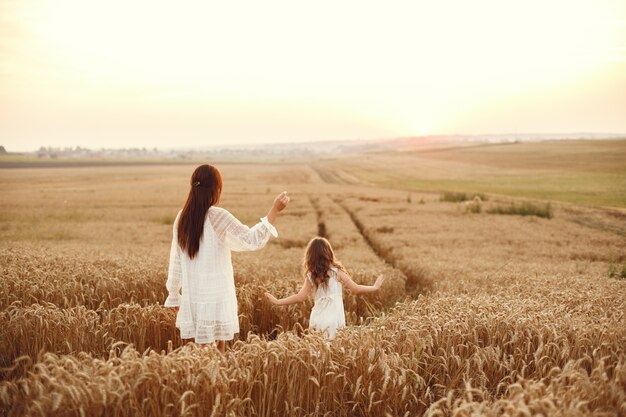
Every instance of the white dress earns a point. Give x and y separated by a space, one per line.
327 314
208 303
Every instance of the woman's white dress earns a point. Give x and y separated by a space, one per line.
328 314
208 303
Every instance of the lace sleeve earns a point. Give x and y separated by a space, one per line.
174 271
238 236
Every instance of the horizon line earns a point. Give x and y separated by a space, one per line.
510 135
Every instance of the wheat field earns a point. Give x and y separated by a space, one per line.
481 314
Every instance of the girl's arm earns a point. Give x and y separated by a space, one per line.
292 299
358 288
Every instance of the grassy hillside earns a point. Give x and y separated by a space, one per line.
592 173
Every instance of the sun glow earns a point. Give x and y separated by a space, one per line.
422 129
327 69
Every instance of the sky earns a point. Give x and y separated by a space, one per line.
168 74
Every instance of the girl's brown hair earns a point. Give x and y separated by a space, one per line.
206 187
318 259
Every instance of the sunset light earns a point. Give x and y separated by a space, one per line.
94 73
311 208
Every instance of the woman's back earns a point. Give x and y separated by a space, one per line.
208 304
222 234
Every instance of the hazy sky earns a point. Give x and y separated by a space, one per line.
164 73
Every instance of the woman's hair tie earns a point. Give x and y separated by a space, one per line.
197 183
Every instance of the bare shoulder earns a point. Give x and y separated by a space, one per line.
341 276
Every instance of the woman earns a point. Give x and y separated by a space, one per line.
200 262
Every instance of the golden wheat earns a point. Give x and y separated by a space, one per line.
480 314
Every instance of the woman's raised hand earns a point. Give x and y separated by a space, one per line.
280 202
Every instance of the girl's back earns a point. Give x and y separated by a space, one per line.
328 314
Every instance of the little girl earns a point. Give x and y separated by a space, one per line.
325 275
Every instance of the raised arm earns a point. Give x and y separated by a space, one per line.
347 281
174 272
292 299
238 236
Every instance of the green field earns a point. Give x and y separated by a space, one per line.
592 173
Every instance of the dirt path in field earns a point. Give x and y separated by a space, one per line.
416 282
334 218
333 175
321 225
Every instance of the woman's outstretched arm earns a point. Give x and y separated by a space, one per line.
292 299
346 280
240 237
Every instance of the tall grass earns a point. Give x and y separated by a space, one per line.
455 197
524 209
617 272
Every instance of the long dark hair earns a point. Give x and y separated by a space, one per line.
206 187
318 259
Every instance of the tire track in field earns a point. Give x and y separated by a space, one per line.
335 175
416 282
321 224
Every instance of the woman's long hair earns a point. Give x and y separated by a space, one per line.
206 187
318 259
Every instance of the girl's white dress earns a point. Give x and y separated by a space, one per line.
208 303
327 314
